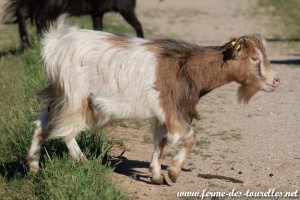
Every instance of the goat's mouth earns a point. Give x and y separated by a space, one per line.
267 87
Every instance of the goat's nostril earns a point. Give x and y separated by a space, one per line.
277 80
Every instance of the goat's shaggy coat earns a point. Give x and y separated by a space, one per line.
96 77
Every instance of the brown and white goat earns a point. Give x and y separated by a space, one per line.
96 77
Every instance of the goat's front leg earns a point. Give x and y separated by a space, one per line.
189 140
22 27
160 140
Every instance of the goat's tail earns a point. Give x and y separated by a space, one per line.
55 32
52 49
10 11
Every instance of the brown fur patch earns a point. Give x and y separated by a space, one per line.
39 136
177 98
185 72
175 49
181 81
119 41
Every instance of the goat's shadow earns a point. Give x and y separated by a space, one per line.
130 168
11 170
121 165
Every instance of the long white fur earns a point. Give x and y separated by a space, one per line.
84 63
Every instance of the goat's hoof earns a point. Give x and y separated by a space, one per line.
173 173
34 166
83 159
159 180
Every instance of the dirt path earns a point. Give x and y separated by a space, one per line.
257 144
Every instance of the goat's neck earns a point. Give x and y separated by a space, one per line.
209 72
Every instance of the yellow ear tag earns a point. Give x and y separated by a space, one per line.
236 49
233 43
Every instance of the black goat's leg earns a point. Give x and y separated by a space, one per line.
131 18
97 21
22 28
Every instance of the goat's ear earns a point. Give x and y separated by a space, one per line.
261 39
231 50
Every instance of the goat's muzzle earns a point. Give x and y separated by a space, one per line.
271 87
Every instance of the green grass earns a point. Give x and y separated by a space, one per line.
21 75
288 10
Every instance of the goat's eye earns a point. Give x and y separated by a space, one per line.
254 59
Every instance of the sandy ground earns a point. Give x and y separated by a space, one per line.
257 144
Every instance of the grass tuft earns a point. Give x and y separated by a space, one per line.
289 13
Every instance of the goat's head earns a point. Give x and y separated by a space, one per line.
249 66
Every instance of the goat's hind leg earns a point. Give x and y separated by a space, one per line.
41 133
39 136
96 122
75 151
67 131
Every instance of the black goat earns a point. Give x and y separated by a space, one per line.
43 12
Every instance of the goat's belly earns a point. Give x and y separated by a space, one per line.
123 107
